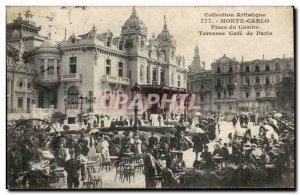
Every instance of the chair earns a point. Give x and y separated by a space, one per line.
107 165
158 180
92 180
119 171
128 172
88 180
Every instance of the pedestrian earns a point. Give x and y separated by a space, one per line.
131 121
149 169
72 166
198 144
153 140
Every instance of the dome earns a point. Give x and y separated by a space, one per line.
49 46
165 35
134 23
29 12
224 59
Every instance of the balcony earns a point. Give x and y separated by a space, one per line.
218 100
268 86
48 80
116 80
71 77
257 86
230 87
219 88
247 87
230 100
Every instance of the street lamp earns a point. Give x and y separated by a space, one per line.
66 104
91 100
135 90
81 109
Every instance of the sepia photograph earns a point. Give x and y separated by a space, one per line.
150 97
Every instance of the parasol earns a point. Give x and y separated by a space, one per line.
278 115
195 130
94 131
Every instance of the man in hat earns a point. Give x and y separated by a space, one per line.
72 166
125 142
149 168
168 178
173 141
153 141
164 142
116 139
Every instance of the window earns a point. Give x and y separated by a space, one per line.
257 80
20 102
218 82
73 64
247 80
277 66
42 63
277 79
50 67
73 97
162 76
268 93
257 94
219 95
130 74
28 85
148 74
219 107
108 42
58 66
21 84
179 81
256 68
230 69
121 100
230 80
247 94
230 93
71 120
154 74
267 67
121 45
120 69
107 100
108 66
218 69
268 81
247 69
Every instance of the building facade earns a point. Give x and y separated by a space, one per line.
68 73
245 86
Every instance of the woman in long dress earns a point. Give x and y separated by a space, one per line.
92 154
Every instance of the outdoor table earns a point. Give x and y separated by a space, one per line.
218 159
128 153
91 165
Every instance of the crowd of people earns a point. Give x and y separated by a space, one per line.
247 159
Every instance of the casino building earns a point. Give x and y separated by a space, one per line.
66 75
238 86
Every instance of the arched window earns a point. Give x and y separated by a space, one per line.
73 97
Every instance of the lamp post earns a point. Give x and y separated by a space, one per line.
81 108
91 100
135 90
66 104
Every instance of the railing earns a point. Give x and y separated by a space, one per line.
48 78
230 86
268 86
218 100
257 86
71 77
247 87
114 79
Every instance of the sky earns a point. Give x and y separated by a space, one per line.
183 23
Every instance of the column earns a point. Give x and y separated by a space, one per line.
158 74
150 74
8 95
